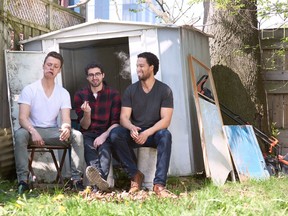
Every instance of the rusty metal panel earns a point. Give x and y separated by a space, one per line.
7 164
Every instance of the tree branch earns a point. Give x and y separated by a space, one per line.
163 14
81 2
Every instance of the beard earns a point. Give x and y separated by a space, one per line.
143 77
95 84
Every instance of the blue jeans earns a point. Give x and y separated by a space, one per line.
123 145
99 157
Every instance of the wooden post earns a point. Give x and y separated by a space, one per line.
49 22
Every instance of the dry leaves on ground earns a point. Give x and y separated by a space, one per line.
118 196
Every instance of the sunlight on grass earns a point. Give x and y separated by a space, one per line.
197 197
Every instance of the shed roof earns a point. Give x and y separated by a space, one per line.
104 27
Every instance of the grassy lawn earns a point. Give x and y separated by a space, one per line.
196 197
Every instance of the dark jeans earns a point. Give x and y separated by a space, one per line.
123 145
99 157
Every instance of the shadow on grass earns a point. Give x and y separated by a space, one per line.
177 185
9 193
187 184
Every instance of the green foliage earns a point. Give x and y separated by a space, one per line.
265 8
285 40
268 8
274 130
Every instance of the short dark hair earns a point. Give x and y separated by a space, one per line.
93 65
151 60
55 55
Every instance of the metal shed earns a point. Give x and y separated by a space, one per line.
116 45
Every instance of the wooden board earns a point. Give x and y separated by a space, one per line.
217 160
246 153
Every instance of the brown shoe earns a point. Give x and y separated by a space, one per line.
136 182
162 192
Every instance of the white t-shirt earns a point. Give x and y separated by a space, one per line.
43 110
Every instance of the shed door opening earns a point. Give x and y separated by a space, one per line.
112 54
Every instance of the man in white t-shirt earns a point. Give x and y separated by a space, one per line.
40 103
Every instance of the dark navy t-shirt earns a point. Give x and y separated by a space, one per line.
146 106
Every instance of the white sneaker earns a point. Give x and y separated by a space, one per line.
95 178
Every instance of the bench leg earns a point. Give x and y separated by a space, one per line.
59 175
30 165
62 161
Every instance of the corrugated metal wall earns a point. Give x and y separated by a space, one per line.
6 153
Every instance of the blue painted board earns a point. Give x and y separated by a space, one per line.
246 153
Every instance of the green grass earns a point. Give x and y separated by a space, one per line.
196 197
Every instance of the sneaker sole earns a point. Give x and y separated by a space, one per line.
95 178
23 189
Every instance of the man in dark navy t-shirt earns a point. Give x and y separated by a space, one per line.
146 113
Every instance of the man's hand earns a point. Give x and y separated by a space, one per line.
65 132
141 138
134 132
36 138
86 107
99 140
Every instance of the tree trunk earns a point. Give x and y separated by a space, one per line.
235 61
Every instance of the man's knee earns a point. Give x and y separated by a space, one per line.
164 133
163 140
117 133
105 149
21 136
77 137
88 143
